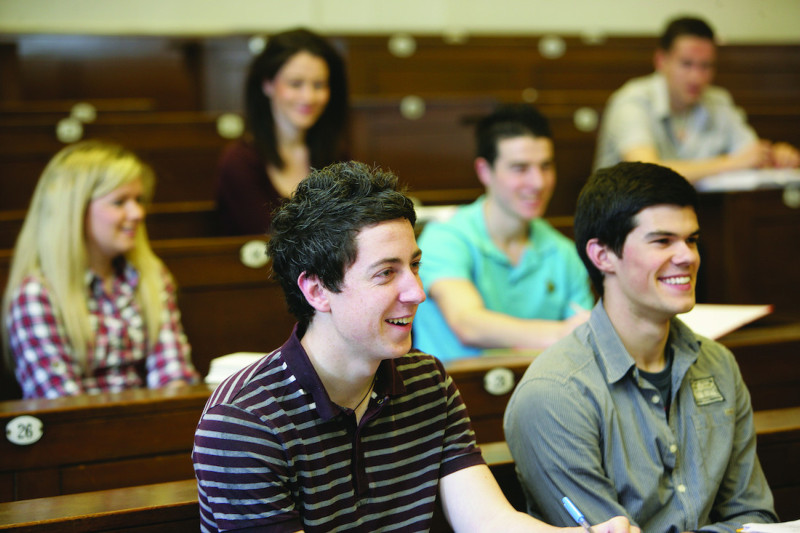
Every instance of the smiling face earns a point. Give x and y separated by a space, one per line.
656 274
688 67
521 180
112 221
372 314
299 91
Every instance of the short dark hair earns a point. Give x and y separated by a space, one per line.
613 196
505 122
315 230
324 138
684 26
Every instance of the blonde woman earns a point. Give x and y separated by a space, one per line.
88 306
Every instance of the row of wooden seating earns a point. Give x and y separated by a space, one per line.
183 147
180 85
155 508
432 153
165 220
207 72
144 436
746 246
55 110
173 506
98 442
228 306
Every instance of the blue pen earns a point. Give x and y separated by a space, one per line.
576 514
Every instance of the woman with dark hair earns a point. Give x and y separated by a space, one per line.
296 109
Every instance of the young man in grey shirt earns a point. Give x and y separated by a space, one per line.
634 413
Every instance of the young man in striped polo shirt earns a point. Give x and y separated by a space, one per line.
341 428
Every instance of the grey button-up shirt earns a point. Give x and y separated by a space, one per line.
638 114
583 423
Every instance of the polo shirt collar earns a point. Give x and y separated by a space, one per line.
538 247
389 382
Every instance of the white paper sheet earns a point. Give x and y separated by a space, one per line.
749 180
783 527
716 320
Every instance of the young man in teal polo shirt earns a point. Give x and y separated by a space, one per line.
496 274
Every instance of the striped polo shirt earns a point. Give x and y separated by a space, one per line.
272 449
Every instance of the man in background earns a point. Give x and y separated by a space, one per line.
497 275
676 118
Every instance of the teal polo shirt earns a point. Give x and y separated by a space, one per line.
547 279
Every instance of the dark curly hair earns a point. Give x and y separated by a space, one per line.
315 230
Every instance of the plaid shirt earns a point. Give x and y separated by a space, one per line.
120 358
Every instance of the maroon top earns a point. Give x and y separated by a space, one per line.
245 194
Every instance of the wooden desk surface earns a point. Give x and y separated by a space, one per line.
170 506
102 441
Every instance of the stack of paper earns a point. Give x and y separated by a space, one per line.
749 180
783 527
225 365
715 320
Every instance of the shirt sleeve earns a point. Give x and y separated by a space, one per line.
569 461
44 362
629 125
445 254
460 450
234 452
170 358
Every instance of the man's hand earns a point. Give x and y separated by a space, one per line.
756 155
618 524
784 155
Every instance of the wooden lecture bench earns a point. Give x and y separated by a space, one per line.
102 441
172 507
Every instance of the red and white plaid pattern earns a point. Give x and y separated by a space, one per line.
120 358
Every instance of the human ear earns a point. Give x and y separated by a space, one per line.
659 58
601 256
484 170
314 291
268 88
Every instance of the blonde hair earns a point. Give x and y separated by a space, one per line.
51 246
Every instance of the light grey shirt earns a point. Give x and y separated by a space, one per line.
583 423
638 114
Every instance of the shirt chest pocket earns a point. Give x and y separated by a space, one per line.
714 426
